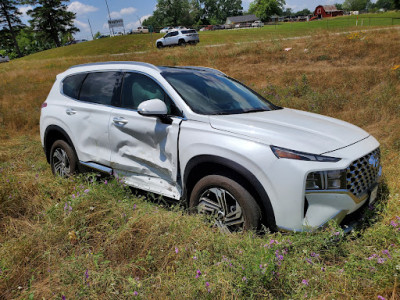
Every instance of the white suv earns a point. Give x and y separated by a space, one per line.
196 135
178 37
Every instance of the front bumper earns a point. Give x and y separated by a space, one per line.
299 210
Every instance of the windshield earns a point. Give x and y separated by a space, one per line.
213 94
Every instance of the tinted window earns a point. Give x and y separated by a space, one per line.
72 85
175 33
188 31
100 87
212 94
137 88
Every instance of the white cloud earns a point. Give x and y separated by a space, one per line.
81 25
115 15
136 24
127 11
24 10
80 8
123 12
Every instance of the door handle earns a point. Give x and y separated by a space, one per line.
120 121
70 111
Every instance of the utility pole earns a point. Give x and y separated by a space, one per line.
109 17
91 31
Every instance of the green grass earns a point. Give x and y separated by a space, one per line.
146 42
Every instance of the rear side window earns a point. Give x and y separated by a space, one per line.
72 85
188 31
101 88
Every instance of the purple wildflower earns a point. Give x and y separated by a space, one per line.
198 273
381 298
194 257
135 293
73 196
63 297
105 181
309 261
322 269
393 223
387 253
304 281
381 260
86 191
134 206
176 250
65 206
280 257
261 266
244 278
207 284
87 276
336 233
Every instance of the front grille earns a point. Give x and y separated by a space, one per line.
363 173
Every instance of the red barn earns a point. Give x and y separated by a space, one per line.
327 11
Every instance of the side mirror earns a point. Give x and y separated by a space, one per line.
154 108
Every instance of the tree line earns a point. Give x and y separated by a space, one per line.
50 26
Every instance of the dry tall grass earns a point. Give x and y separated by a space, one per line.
45 251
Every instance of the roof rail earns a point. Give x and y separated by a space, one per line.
215 71
133 63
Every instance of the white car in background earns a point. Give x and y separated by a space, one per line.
141 29
4 58
178 37
257 24
195 135
166 29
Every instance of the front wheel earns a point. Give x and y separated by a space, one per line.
231 207
63 160
159 45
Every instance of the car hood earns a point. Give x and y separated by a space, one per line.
292 129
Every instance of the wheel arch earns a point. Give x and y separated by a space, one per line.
52 134
203 165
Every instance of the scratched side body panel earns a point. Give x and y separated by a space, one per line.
144 151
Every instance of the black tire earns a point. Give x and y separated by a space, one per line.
182 43
63 159
159 45
249 208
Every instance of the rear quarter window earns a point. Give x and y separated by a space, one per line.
72 84
101 88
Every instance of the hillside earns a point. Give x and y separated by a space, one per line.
91 238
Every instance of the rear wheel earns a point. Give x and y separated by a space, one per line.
231 207
182 43
63 160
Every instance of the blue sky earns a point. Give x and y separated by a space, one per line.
133 10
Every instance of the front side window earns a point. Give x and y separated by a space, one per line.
72 84
212 94
100 87
137 88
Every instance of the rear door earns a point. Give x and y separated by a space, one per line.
144 150
88 115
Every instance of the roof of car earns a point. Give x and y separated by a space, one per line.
157 68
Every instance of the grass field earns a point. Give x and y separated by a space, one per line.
91 238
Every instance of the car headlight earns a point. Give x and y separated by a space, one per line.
326 180
292 154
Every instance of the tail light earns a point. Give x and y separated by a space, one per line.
44 104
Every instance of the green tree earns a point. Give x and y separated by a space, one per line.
304 12
51 20
217 11
396 4
10 23
354 5
386 4
266 8
339 6
173 12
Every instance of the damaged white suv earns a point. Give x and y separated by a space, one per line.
197 135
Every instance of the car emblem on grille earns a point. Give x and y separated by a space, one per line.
373 161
